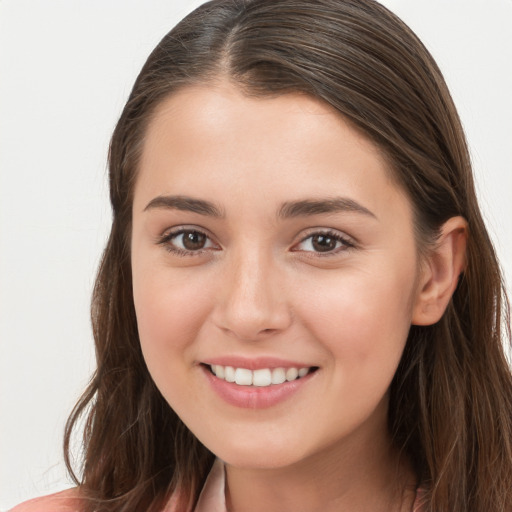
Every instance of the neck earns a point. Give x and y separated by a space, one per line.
363 473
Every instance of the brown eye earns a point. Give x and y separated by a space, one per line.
193 240
187 242
323 243
327 242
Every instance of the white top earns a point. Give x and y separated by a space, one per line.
213 498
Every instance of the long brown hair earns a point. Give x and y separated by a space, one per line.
451 398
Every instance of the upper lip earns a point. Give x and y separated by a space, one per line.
256 363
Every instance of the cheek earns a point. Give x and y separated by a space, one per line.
170 309
362 318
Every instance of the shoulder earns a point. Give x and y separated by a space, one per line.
65 501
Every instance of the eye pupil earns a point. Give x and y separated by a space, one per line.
193 240
323 243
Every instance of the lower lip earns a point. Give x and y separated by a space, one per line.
254 397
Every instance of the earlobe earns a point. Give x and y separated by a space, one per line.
441 272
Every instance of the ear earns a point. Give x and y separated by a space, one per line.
440 273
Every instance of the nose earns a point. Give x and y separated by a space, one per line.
251 303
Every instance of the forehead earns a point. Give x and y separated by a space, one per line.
222 108
213 139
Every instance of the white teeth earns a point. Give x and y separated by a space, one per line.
219 371
292 374
278 376
261 378
229 374
243 377
303 372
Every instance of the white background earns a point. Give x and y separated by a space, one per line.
66 68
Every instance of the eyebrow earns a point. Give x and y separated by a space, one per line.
289 209
185 203
308 207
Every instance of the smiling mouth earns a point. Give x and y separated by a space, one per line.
262 377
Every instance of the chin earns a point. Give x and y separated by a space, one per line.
263 455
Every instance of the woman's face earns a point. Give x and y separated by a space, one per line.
268 239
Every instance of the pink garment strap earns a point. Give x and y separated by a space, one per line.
419 501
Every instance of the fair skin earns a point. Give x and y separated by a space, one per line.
248 272
271 278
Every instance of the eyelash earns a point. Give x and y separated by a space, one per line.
346 243
166 241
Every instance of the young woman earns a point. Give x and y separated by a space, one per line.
299 307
